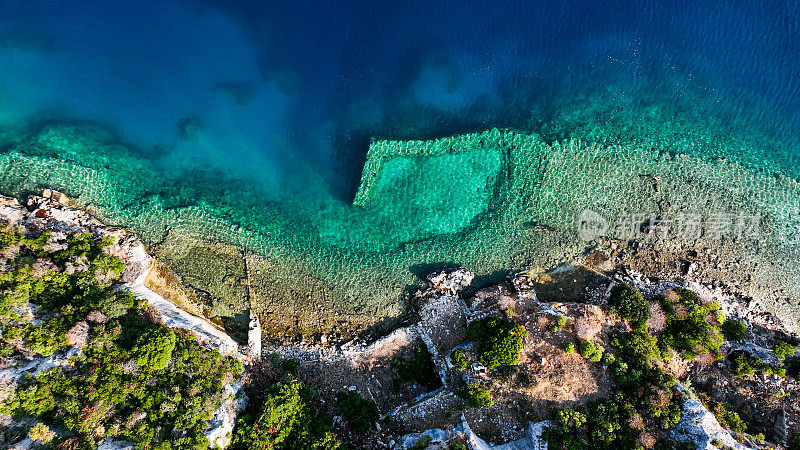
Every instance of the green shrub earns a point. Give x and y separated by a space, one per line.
360 413
728 419
778 370
48 337
735 423
286 420
7 237
693 330
564 433
421 369
569 418
459 359
569 347
638 346
421 443
476 396
41 433
457 446
745 364
606 426
794 442
608 359
499 341
734 330
629 303
782 349
559 324
116 305
591 351
153 348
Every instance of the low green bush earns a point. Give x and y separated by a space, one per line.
420 369
638 346
499 341
153 349
286 420
7 237
41 433
591 351
559 323
728 419
744 363
564 433
608 359
629 303
569 347
476 396
48 337
782 349
692 327
459 359
360 414
569 418
734 330
291 366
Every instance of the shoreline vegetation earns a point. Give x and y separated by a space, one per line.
84 359
571 356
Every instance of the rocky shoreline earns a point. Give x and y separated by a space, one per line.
577 290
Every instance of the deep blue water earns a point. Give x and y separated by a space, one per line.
275 88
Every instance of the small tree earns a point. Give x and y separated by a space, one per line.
569 418
286 420
591 351
154 348
360 413
782 349
477 397
745 363
499 341
734 330
629 303
459 359
41 433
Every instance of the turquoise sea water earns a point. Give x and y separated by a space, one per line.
250 122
